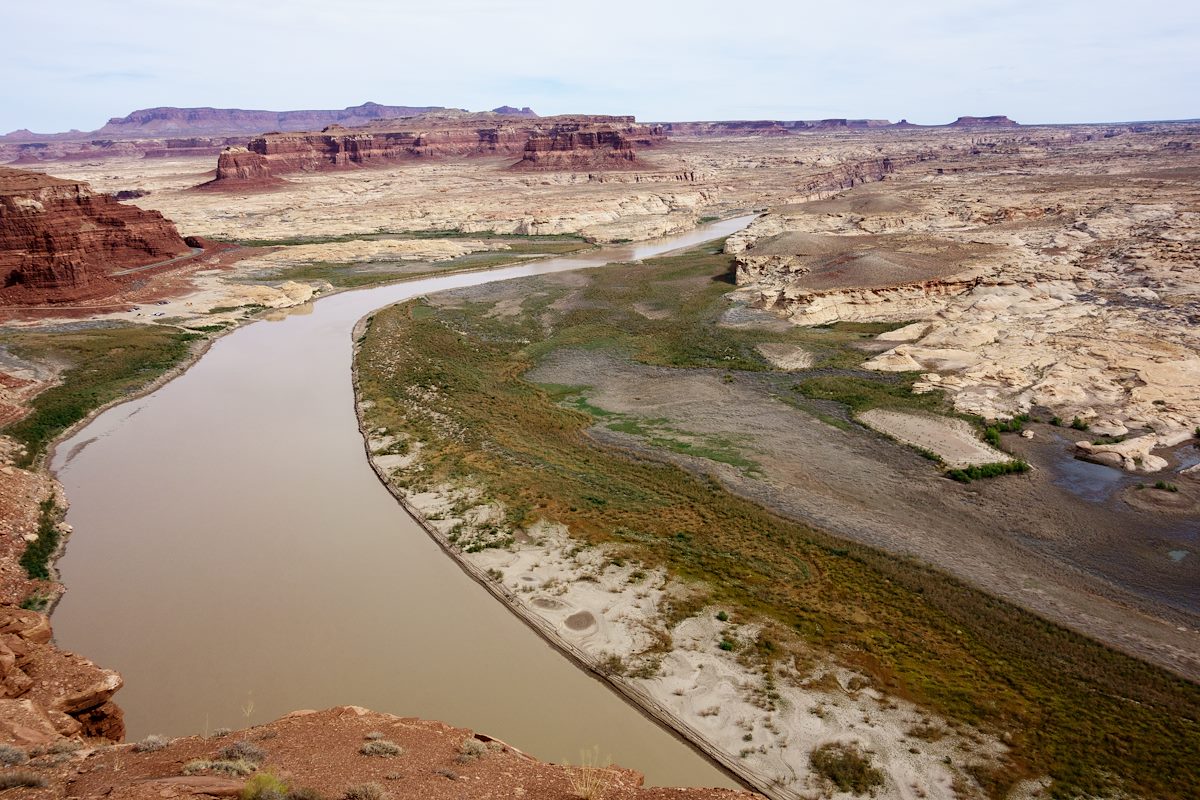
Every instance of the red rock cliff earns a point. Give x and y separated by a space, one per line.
60 241
601 142
574 145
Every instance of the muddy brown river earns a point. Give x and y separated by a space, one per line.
235 558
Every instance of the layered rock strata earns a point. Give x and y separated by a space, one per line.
544 143
581 146
47 693
61 241
1065 288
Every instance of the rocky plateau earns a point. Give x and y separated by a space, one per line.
1052 276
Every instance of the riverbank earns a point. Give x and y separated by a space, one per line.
563 401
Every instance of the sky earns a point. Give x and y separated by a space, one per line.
1037 61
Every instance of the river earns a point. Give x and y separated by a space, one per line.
235 558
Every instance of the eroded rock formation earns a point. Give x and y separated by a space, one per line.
61 241
47 693
579 146
568 142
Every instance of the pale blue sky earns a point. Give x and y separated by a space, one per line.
75 63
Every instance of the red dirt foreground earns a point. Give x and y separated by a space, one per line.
345 752
61 242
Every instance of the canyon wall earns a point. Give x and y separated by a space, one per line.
565 142
61 241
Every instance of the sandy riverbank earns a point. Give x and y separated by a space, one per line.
698 675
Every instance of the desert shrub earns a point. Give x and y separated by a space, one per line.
65 746
20 779
846 767
471 748
242 751
12 756
381 748
722 616
238 768
151 743
364 791
221 733
1079 424
1166 487
305 793
265 786
373 735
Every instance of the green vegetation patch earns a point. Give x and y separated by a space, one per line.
352 275
37 555
1097 721
104 365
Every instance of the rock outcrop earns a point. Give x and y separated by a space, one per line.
576 142
241 167
170 131
582 146
47 693
60 241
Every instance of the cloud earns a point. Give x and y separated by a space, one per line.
1071 60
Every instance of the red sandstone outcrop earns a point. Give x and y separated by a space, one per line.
238 166
582 146
565 142
47 693
60 241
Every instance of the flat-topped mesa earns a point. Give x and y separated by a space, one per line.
59 240
444 134
996 121
604 145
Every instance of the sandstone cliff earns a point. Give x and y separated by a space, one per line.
60 241
581 146
566 142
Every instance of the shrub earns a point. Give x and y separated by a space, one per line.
722 616
221 733
19 779
36 558
307 793
727 645
381 748
12 756
265 786
992 470
36 602
364 791
242 751
373 735
471 748
846 767
1079 425
1166 487
235 768
151 743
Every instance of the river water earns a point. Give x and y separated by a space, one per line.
235 558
